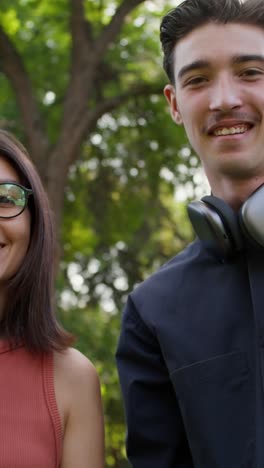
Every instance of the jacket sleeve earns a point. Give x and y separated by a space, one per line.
155 432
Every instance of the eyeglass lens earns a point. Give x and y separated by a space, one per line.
13 200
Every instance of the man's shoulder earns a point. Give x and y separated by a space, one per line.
172 268
169 279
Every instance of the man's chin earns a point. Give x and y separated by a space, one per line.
236 167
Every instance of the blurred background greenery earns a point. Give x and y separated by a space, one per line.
81 85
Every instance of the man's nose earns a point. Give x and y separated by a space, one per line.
225 95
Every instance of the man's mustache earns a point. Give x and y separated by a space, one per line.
215 120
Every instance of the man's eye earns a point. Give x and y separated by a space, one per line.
198 80
251 73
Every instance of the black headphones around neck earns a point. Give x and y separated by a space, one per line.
221 228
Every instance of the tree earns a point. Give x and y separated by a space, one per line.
90 87
86 79
126 223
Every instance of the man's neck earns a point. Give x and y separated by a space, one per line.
235 192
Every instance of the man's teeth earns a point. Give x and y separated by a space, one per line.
231 131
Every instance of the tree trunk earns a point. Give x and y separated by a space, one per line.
78 121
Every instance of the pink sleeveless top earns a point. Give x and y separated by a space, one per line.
30 427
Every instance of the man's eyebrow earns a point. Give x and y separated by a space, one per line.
239 59
193 66
236 60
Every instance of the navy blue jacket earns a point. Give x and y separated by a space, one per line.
191 363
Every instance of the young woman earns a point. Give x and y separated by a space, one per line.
50 405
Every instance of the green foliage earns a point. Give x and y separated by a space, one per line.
132 224
121 218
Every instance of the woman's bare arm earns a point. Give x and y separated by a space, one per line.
78 393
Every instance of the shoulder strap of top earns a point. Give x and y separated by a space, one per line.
49 390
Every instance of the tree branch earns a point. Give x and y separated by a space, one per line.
85 62
12 65
88 124
82 70
82 33
113 103
78 119
112 30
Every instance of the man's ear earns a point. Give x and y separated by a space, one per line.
170 95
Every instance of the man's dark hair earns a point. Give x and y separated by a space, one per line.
29 313
192 14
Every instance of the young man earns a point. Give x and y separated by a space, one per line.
191 351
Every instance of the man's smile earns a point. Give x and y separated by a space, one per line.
227 127
231 130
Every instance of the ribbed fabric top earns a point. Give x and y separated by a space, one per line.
30 426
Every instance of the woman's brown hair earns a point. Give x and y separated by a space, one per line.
29 314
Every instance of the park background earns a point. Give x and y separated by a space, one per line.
81 85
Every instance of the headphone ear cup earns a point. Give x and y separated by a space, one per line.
216 224
251 217
229 218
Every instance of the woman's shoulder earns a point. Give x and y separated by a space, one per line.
76 383
74 366
79 402
75 374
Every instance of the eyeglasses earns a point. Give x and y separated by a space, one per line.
13 199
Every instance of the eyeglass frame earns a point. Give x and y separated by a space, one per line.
27 193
